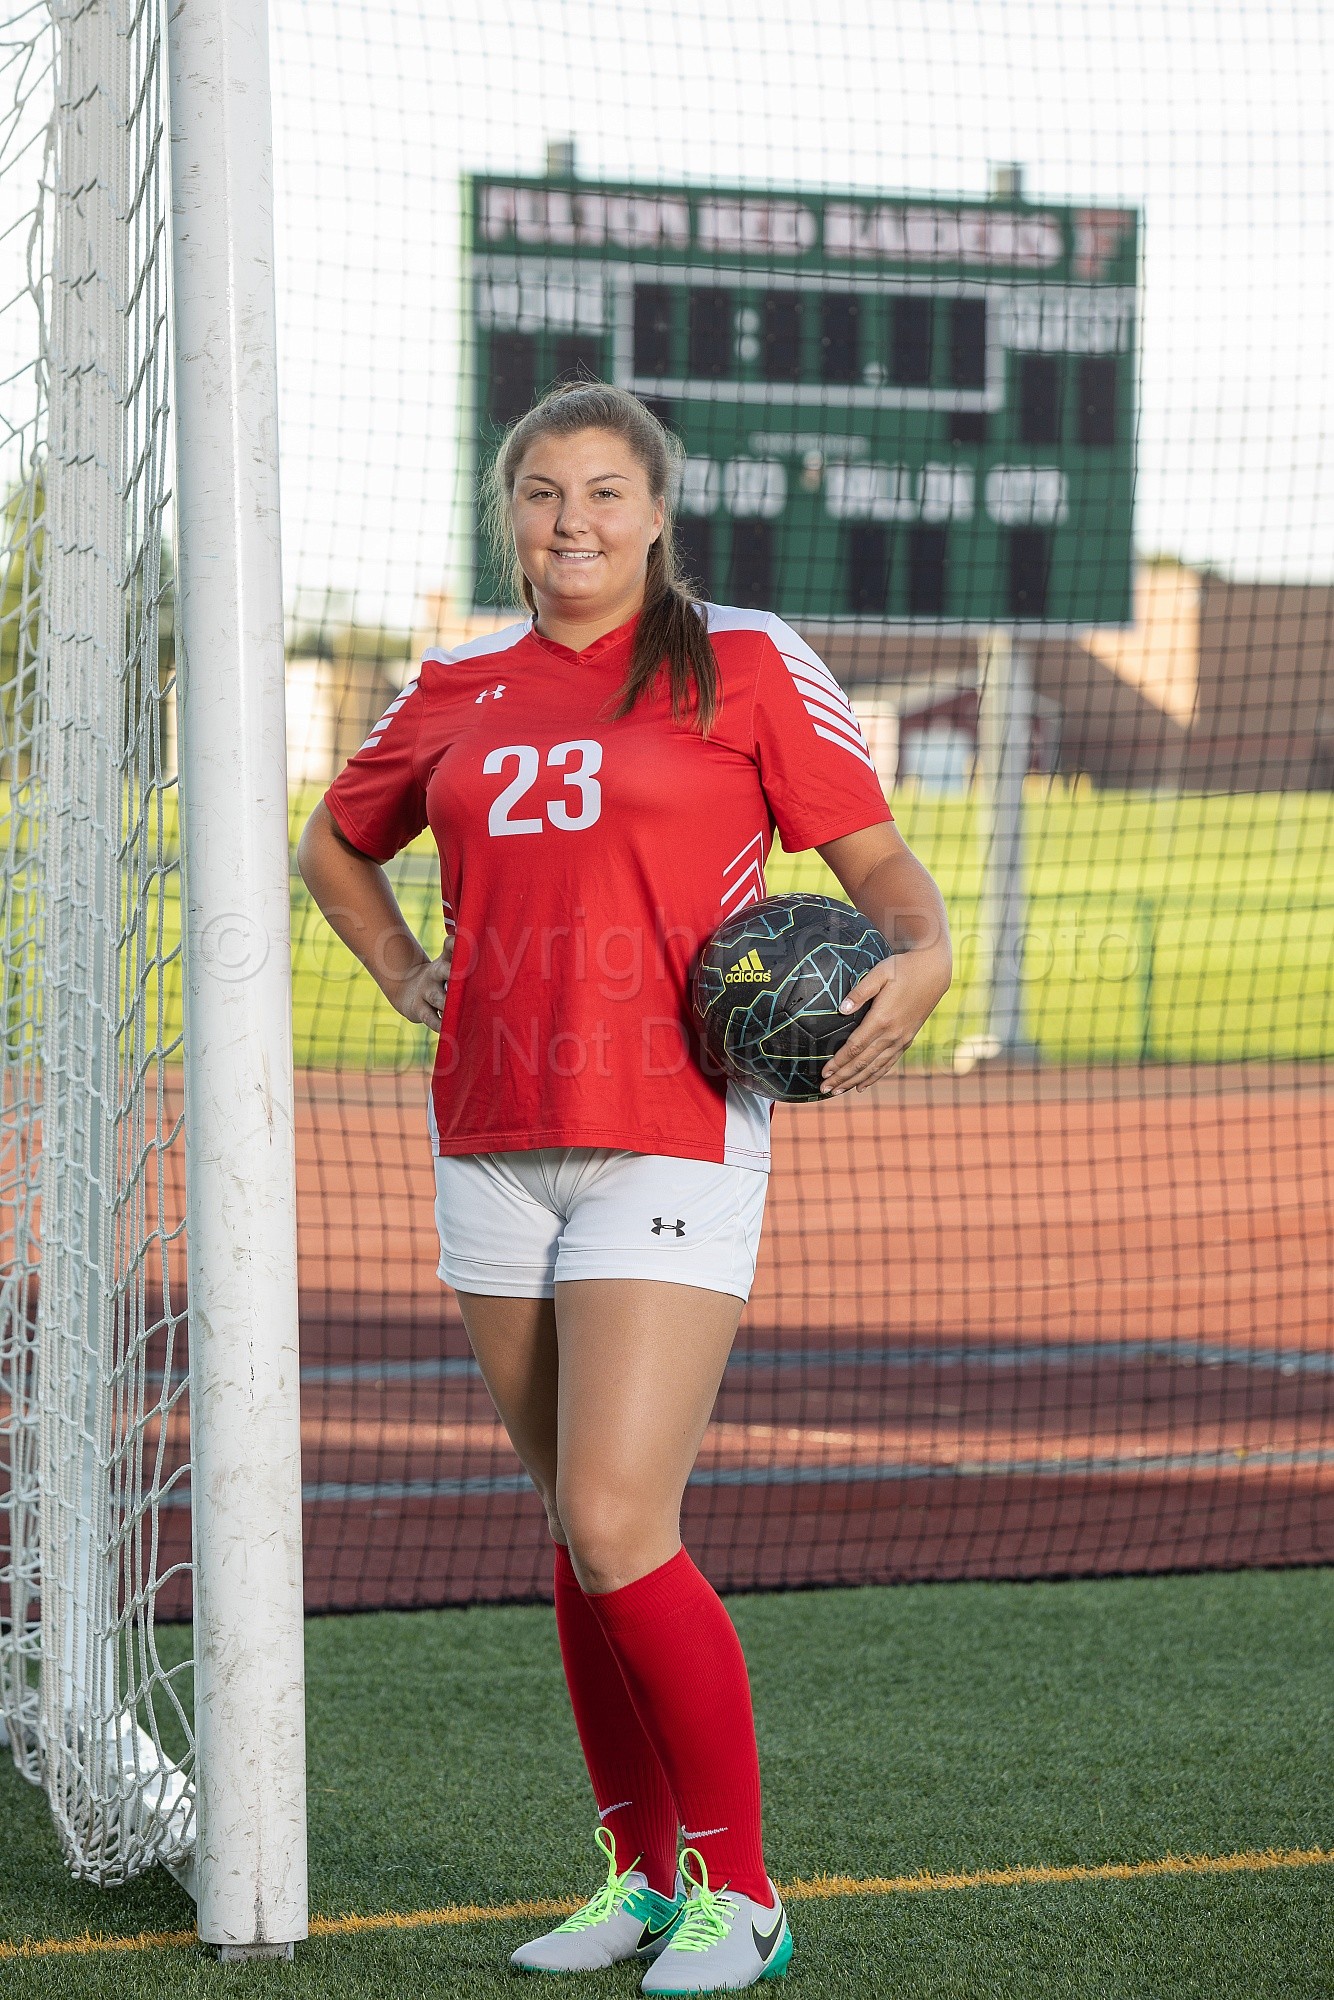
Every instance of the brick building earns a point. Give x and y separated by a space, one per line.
1216 686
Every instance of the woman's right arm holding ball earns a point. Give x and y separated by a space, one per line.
357 902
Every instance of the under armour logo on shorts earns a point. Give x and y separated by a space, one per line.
658 1226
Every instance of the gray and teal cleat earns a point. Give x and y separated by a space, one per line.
625 1919
724 1941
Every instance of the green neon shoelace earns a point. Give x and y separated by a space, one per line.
607 1900
707 1919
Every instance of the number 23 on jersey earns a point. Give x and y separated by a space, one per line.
577 806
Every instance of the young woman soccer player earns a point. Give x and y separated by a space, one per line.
603 782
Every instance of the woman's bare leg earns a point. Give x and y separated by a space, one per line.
640 1365
606 1394
515 1344
636 1365
516 1347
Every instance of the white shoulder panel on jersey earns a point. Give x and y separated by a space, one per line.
477 649
490 642
821 696
729 618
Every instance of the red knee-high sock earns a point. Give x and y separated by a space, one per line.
632 1794
686 1673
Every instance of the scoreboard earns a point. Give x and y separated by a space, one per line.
892 409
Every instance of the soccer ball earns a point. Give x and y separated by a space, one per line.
767 987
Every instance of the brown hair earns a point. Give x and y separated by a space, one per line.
672 631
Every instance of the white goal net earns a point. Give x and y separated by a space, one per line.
94 1446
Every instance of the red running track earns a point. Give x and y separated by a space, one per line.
1012 1325
1008 1325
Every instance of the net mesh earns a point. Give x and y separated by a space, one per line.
27 56
1013 1317
95 1412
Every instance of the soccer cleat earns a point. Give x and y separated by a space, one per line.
723 1941
625 1919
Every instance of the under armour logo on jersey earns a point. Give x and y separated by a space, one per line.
493 693
658 1226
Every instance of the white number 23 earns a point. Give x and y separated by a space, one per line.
589 755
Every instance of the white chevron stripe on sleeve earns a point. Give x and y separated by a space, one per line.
853 749
846 726
836 711
389 714
801 660
840 718
820 705
831 713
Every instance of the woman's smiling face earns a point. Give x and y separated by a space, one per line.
584 521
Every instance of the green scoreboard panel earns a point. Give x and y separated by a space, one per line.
892 409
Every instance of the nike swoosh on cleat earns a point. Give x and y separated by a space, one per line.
764 1944
651 1936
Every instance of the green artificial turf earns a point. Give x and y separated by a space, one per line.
939 1727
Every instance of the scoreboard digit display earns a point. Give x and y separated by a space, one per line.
892 409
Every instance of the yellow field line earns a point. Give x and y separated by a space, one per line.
80 1947
453 1913
819 1888
1106 1871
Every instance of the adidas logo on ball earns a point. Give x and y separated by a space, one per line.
747 971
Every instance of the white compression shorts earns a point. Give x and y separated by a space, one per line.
512 1224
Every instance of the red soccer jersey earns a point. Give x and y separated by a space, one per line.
583 863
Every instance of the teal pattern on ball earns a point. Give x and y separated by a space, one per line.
767 988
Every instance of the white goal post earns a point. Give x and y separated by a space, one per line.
146 1090
240 1122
